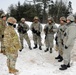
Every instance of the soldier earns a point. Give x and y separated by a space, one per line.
69 38
12 45
22 29
60 36
49 30
2 28
36 30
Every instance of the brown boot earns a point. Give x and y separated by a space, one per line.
3 51
13 70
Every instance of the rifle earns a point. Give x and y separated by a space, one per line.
46 31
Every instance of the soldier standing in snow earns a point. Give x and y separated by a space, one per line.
2 28
59 38
69 38
36 29
22 29
49 30
12 45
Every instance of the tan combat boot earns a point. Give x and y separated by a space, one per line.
13 70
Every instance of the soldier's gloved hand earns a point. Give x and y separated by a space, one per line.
19 30
33 30
65 34
61 30
2 36
24 31
66 47
38 33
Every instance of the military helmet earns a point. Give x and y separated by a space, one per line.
63 19
71 18
50 18
3 15
22 19
36 18
11 20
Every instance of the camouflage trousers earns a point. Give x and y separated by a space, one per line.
60 47
49 41
37 39
11 60
67 55
24 36
2 44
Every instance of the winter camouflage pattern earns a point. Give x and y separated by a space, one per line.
37 39
49 36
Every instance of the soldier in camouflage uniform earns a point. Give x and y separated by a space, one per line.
49 30
12 45
22 29
36 29
2 28
60 37
69 38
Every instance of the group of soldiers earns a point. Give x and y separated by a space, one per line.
11 43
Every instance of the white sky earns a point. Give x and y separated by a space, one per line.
4 4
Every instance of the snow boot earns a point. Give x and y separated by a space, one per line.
67 65
58 57
13 70
63 68
35 46
50 50
61 59
46 50
30 48
40 48
21 49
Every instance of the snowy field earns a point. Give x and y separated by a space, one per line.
38 62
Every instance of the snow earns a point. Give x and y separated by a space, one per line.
37 62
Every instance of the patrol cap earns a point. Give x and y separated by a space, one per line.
71 18
3 15
11 20
36 18
63 19
22 19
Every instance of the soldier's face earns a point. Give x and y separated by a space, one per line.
36 20
68 21
4 18
49 21
23 21
61 22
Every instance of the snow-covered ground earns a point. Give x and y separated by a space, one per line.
37 62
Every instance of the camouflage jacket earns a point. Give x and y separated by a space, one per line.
11 40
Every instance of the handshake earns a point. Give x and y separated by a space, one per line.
36 32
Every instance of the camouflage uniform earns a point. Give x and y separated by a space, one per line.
69 38
2 28
60 37
12 45
22 29
36 30
49 30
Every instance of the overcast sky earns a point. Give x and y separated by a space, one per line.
4 4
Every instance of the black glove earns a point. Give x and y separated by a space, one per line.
65 34
24 31
66 47
61 30
38 33
33 30
2 36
